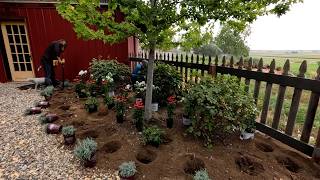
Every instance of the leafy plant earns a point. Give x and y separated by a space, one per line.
81 89
138 115
43 119
85 149
100 69
127 169
120 104
93 89
108 100
91 103
47 92
152 135
171 106
220 106
68 131
201 175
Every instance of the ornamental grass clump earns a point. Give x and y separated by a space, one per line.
47 92
127 170
220 106
138 115
201 175
85 151
153 136
68 133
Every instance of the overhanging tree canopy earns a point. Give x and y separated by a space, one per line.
156 22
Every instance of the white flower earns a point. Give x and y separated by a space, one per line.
128 86
82 72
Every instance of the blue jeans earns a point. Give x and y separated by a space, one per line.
49 71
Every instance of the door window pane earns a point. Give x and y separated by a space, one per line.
25 49
15 29
14 58
10 39
16 66
13 49
27 57
20 57
29 68
22 67
8 27
24 39
22 30
17 38
19 48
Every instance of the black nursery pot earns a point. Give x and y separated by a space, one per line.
120 118
47 98
93 109
154 144
69 140
139 126
52 117
110 106
82 95
169 123
90 163
53 128
35 110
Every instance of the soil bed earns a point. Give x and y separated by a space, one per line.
261 158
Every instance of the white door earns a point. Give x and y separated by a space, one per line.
18 50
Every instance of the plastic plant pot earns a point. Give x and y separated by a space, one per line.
90 163
53 128
43 104
120 118
169 123
69 140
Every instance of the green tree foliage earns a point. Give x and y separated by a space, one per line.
208 50
156 22
233 42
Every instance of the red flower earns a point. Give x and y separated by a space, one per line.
171 100
138 105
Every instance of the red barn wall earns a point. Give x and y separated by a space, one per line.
3 76
44 25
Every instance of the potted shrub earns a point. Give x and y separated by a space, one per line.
93 89
109 102
85 151
81 90
138 115
152 136
248 128
201 175
171 106
33 110
91 104
68 133
48 118
47 92
42 104
53 128
127 170
120 108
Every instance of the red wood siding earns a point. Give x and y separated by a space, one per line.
44 25
3 76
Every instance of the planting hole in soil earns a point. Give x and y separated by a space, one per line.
111 146
249 166
77 123
90 133
146 156
65 107
109 131
166 139
264 147
288 163
193 164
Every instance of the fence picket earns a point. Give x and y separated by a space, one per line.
231 62
258 83
181 68
295 101
186 70
240 65
197 76
223 61
280 99
266 100
247 81
311 113
203 63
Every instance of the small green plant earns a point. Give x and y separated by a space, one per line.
47 92
93 89
68 131
152 135
43 119
127 169
67 83
91 104
201 175
85 149
108 100
81 89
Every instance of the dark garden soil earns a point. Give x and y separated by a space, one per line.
181 154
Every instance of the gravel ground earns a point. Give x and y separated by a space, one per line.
26 152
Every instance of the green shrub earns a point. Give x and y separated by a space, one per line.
167 80
220 106
85 149
68 130
93 89
91 103
152 135
201 175
127 169
81 89
99 69
48 91
108 100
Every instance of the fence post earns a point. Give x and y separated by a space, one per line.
213 68
231 62
247 81
258 83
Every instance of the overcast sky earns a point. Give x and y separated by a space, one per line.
298 29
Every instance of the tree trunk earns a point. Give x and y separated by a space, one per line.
148 102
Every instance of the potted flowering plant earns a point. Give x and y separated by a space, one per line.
127 170
140 90
120 108
171 106
48 118
91 104
68 133
53 128
138 115
85 151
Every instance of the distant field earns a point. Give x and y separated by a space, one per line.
295 57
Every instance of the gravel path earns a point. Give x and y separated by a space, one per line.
26 152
